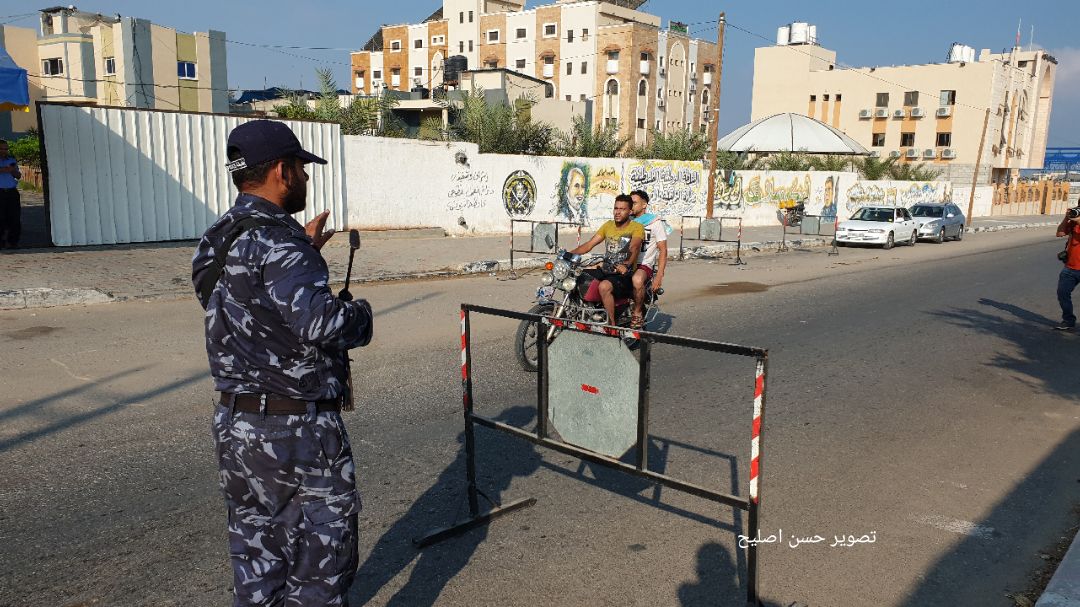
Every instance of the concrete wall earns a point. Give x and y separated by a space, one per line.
456 188
21 44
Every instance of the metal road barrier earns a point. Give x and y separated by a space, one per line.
811 225
543 238
599 410
711 229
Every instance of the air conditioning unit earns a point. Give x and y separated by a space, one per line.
917 112
929 153
944 112
894 154
864 114
875 154
912 153
948 153
881 113
899 114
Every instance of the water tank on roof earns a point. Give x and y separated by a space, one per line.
800 33
453 67
961 52
783 35
812 31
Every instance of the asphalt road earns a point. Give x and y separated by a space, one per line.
918 394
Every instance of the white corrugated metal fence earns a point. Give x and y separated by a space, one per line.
122 175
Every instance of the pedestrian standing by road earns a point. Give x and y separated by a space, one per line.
10 205
278 343
1070 274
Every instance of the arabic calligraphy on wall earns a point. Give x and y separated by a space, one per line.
674 187
468 190
902 193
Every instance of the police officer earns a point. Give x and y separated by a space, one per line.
278 343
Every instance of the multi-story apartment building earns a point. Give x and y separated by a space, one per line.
917 113
639 75
21 44
111 60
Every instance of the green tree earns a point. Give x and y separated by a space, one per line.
913 172
327 106
27 150
831 163
296 108
736 161
787 161
683 144
583 140
499 128
874 169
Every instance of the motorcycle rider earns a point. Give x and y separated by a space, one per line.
622 238
653 261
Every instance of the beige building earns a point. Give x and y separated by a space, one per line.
638 75
931 113
123 61
21 44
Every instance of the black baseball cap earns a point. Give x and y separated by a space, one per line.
259 141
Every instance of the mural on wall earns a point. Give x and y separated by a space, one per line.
519 194
728 194
606 181
757 192
468 190
891 194
829 196
572 197
674 188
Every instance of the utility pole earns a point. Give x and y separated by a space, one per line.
714 117
978 164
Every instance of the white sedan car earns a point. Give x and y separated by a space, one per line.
883 226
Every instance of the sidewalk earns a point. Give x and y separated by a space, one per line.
46 277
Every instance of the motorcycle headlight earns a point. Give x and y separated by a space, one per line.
547 279
569 283
561 270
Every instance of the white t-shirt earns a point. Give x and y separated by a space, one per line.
655 233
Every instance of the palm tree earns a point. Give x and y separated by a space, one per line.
499 128
736 161
683 144
875 169
788 161
585 141
831 163
913 172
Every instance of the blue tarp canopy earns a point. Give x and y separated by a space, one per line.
14 92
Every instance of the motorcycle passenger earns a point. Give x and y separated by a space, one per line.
622 238
653 261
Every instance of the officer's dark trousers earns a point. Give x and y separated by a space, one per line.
10 218
290 489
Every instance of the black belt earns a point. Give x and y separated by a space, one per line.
275 405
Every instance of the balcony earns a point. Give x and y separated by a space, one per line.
549 70
359 84
645 68
395 81
612 66
707 78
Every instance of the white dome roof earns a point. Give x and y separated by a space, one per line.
790 133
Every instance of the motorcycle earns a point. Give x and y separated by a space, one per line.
791 214
563 294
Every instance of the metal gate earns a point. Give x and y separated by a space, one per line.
123 175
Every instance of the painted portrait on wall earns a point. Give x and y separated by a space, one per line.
572 198
829 197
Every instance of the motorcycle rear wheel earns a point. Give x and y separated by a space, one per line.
526 338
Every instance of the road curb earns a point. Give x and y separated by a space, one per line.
20 299
1064 588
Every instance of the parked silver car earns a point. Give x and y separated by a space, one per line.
939 221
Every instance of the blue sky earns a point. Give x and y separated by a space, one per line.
863 34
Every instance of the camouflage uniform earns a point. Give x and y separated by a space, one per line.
273 327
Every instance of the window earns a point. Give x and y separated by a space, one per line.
376 75
519 64
641 123
878 140
644 56
907 140
461 46
612 87
438 40
522 33
110 66
584 35
551 30
461 17
584 67
470 46
52 67
947 98
813 98
642 88
569 35
549 60
911 98
658 125
882 100
569 68
944 140
395 46
583 97
493 36
418 71
613 55
470 16
824 97
418 43
185 70
491 64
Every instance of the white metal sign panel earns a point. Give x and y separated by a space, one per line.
123 175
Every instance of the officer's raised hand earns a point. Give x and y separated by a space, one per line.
316 230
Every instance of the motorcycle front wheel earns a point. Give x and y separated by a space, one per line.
526 338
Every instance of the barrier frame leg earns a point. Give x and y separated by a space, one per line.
738 248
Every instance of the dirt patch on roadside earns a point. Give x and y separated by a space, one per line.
735 288
1052 556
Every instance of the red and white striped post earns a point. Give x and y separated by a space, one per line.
467 402
755 436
